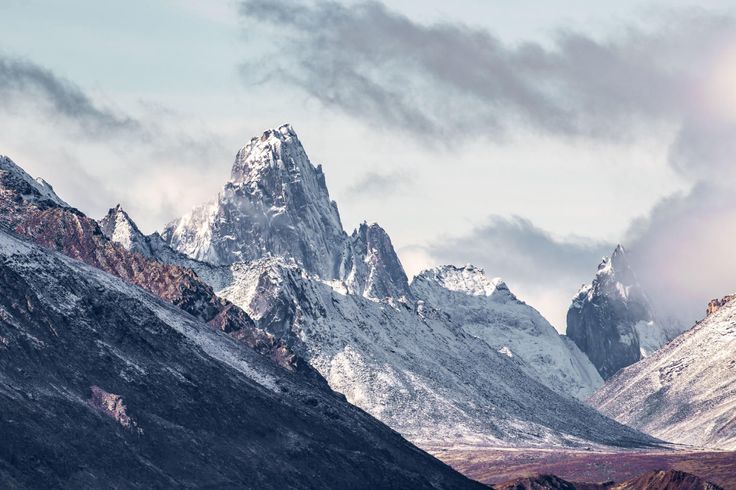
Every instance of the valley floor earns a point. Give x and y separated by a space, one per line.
497 465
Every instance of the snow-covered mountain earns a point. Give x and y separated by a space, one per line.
611 319
120 228
402 353
276 204
103 385
487 309
412 367
686 391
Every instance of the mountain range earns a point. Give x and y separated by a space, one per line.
391 347
255 332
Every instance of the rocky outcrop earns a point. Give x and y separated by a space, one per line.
667 480
537 482
88 359
653 480
33 212
112 405
372 269
611 320
716 304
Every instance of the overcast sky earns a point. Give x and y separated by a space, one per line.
526 137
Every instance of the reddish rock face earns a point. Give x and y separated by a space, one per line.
112 405
25 210
717 304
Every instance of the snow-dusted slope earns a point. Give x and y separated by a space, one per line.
118 227
103 385
686 391
487 309
416 370
343 303
611 319
12 176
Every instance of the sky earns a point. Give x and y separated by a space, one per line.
528 138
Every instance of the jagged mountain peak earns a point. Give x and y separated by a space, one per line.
119 227
468 279
371 268
262 151
14 178
617 268
275 203
611 319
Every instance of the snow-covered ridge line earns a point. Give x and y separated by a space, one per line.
686 391
11 175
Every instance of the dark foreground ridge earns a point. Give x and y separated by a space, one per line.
103 385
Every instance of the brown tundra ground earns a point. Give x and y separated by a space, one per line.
497 465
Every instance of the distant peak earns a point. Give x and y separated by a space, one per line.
468 279
120 228
616 263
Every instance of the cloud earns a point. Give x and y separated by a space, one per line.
374 184
449 79
154 160
683 250
22 81
515 248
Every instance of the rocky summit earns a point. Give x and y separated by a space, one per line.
611 320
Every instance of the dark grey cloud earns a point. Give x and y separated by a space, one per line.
449 79
375 184
26 84
521 252
543 270
22 81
